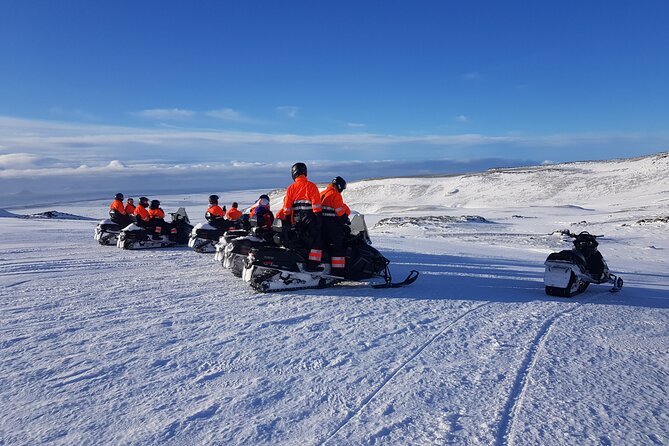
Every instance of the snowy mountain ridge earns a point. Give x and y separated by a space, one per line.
616 183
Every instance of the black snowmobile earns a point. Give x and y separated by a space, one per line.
282 268
205 236
136 237
234 247
569 272
108 230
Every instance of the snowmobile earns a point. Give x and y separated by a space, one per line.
205 236
134 236
569 272
234 247
107 232
283 267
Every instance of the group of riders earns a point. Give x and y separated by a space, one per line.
318 219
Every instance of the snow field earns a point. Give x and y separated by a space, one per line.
104 346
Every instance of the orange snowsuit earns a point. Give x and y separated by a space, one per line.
129 209
142 214
117 206
333 234
333 203
233 214
156 213
302 195
215 211
303 205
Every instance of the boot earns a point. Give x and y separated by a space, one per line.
312 266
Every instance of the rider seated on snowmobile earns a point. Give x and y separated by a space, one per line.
142 212
130 207
262 217
157 220
117 212
334 222
215 215
233 214
302 209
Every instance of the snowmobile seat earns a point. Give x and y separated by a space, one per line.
110 226
278 258
232 234
570 256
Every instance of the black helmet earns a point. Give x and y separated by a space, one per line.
298 169
339 183
144 201
235 204
155 204
265 196
213 199
118 196
130 200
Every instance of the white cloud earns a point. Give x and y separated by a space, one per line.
288 110
462 118
355 125
229 114
116 164
164 113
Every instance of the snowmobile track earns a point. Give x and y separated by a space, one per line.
353 413
514 403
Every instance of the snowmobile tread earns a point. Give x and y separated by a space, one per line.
257 282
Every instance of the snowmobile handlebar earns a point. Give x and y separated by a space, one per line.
581 234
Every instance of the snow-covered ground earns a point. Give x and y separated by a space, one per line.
104 346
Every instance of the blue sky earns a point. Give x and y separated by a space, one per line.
281 81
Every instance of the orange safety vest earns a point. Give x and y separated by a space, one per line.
141 213
117 206
302 195
156 213
129 209
233 214
333 204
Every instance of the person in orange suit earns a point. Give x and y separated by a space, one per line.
302 210
117 212
334 222
233 214
157 220
142 213
215 214
130 207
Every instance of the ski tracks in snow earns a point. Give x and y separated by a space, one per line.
505 433
365 402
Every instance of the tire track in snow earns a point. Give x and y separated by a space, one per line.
356 411
517 394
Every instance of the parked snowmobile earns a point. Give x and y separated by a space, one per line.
205 236
234 247
569 272
108 230
282 268
135 237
